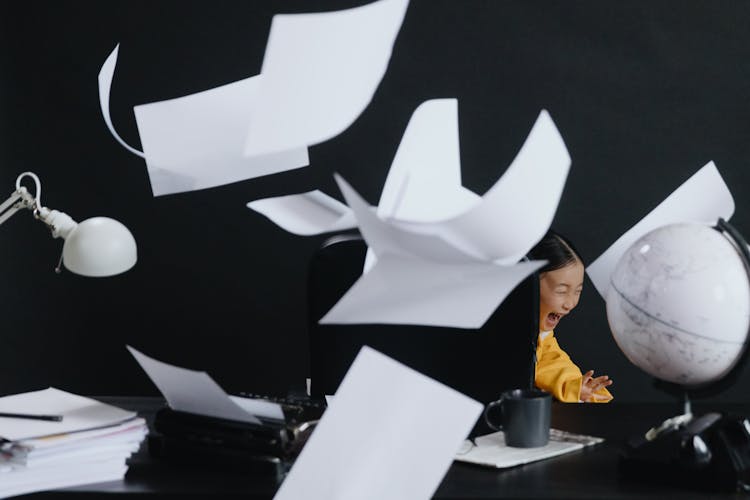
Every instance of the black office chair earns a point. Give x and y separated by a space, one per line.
480 363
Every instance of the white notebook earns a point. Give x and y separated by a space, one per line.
490 450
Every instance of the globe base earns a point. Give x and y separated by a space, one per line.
709 453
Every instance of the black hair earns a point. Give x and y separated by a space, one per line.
557 250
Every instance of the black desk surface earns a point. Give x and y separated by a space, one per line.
590 473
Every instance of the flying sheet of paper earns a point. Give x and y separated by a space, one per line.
196 141
430 216
406 290
518 210
313 91
389 237
306 214
78 412
703 198
196 392
424 181
421 279
392 433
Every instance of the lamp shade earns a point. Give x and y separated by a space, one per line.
98 247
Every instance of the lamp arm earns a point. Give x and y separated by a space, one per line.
18 199
60 223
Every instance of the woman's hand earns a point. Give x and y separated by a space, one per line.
591 384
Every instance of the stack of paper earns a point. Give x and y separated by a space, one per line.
90 444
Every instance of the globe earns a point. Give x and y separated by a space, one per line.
678 304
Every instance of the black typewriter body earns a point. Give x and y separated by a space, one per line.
267 447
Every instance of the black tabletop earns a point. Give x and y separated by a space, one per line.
589 473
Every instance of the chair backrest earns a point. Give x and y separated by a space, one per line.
479 363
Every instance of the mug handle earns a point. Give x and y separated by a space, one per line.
490 406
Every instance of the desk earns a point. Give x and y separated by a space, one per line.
590 473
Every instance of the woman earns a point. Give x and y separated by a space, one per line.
560 285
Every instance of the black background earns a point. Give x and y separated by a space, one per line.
643 93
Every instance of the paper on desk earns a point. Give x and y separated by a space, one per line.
320 72
195 142
491 450
196 392
24 480
79 414
392 433
306 214
702 199
103 450
130 430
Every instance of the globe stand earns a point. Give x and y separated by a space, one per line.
707 452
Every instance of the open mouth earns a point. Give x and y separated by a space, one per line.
553 317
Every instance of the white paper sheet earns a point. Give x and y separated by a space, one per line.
390 237
424 181
196 392
130 430
23 480
196 141
421 278
79 413
105 86
406 290
491 451
518 210
96 452
259 407
306 214
438 235
702 199
320 72
392 433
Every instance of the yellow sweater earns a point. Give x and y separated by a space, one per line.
556 373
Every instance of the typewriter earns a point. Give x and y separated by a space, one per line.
267 447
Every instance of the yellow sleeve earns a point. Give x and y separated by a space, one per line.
557 374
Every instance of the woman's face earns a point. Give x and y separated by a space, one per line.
559 291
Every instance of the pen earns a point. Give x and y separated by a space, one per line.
50 418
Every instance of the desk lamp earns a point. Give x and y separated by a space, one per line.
96 247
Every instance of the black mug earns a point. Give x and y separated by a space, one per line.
524 417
